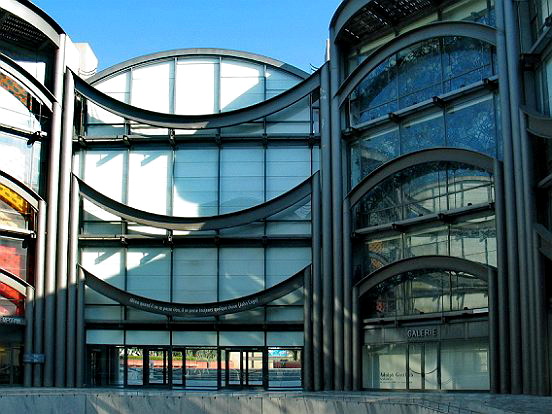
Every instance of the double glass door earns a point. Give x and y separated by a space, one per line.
244 368
147 367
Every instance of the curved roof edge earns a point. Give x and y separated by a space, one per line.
197 52
34 15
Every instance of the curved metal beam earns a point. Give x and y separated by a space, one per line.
27 80
14 281
440 154
22 189
208 121
430 262
238 54
438 29
195 309
222 221
35 16
443 154
538 124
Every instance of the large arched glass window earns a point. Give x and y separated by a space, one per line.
419 72
423 189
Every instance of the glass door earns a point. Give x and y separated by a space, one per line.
156 363
245 368
423 366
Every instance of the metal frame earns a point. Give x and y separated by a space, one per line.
20 188
538 124
441 154
237 218
438 29
209 121
27 80
214 52
35 16
225 307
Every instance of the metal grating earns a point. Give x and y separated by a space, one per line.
383 15
15 30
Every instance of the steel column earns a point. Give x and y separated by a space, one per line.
337 217
510 201
307 329
63 228
347 297
493 332
51 235
72 290
541 322
357 341
502 281
81 333
29 331
327 282
40 247
316 285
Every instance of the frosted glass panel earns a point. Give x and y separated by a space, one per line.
151 87
149 272
241 272
117 88
105 337
284 338
241 84
195 275
149 177
104 171
241 338
285 313
107 264
194 338
147 338
19 159
195 86
242 178
286 167
283 262
196 182
278 81
103 313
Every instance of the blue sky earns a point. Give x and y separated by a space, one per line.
293 31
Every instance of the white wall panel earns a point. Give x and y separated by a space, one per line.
149 178
196 182
151 87
247 338
241 271
106 264
196 83
148 272
195 275
104 337
191 338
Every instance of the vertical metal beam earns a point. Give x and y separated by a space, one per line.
493 332
316 284
81 334
347 297
510 201
307 329
502 281
40 248
337 217
541 320
63 228
51 235
327 281
72 290
357 342
29 331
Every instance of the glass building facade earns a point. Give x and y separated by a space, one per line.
208 218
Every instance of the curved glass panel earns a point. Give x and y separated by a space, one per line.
421 292
16 105
418 73
14 210
470 124
13 256
424 189
472 238
20 159
12 302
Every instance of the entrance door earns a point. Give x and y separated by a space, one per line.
245 368
423 366
156 364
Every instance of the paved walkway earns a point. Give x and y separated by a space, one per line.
87 401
